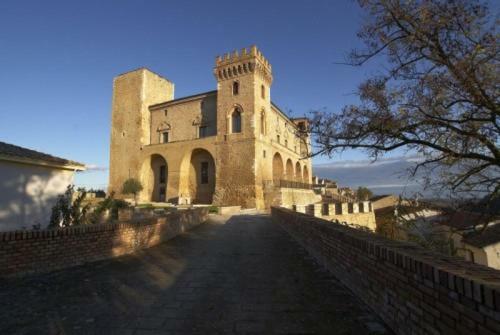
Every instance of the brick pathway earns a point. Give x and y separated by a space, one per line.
243 276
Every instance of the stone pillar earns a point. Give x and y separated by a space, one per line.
300 209
355 207
310 209
317 210
344 208
366 206
331 209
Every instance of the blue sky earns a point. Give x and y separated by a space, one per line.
58 60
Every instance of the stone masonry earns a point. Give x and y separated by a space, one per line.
242 275
224 146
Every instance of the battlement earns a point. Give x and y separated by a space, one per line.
247 60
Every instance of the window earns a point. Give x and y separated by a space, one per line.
164 137
162 193
286 143
163 174
263 123
236 88
202 131
262 91
236 121
264 153
278 138
204 172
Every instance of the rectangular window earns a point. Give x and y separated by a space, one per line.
163 174
278 138
204 172
164 137
264 153
203 131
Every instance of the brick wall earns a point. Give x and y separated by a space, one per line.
413 290
24 252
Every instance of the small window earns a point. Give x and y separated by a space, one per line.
264 154
164 137
278 138
286 143
263 123
163 174
202 131
204 172
236 88
262 91
236 121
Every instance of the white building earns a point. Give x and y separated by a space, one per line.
30 182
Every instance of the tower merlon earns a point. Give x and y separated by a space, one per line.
236 63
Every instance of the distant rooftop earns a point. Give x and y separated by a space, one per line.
480 238
10 152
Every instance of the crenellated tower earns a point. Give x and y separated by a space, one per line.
243 97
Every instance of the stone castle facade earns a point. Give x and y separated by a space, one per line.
230 146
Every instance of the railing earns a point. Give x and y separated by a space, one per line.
283 183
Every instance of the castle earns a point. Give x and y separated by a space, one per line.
230 146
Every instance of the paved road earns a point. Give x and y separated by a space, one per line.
243 276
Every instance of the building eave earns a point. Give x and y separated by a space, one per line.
37 162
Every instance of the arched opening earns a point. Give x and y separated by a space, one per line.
298 172
277 167
159 170
236 121
202 177
289 170
306 174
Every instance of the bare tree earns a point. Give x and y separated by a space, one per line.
438 97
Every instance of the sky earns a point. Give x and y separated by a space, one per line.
58 60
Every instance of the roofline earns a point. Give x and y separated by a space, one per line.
179 100
143 68
73 166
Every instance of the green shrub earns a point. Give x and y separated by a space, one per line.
213 209
132 186
68 212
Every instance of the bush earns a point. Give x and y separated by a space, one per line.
68 212
132 186
213 209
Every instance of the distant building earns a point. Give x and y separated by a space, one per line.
30 182
475 237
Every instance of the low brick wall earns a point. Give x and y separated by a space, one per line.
24 252
413 290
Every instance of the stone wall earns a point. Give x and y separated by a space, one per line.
24 252
415 291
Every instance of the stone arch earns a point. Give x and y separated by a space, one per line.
277 167
201 176
289 169
305 174
156 178
298 172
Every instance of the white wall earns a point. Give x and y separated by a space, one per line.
28 192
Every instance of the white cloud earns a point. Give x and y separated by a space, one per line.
349 164
96 168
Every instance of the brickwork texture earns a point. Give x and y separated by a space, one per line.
415 291
25 252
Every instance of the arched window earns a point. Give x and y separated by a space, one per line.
262 91
236 121
236 88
